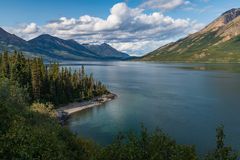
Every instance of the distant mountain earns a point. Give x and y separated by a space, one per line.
106 51
54 48
61 49
217 42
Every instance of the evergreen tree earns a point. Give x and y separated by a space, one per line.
222 152
36 79
5 67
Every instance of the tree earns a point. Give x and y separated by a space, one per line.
222 152
5 67
19 69
36 80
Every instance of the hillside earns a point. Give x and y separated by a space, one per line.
217 42
11 41
53 48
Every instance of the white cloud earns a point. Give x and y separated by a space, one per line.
127 29
163 4
31 28
139 48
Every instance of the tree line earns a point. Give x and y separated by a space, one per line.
49 82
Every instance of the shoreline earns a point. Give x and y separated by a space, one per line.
64 112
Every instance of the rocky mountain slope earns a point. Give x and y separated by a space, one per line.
217 42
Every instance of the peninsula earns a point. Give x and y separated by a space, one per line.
75 107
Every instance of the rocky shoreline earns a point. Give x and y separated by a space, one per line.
64 112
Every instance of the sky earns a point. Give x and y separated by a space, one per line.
132 26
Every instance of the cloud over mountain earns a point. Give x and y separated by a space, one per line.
31 28
124 27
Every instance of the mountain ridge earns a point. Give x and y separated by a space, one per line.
69 49
108 51
53 48
10 39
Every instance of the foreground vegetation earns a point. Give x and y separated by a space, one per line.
29 130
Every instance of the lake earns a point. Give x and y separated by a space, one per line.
186 101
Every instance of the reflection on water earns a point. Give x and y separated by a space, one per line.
187 101
213 67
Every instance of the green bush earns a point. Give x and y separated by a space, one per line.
147 146
32 132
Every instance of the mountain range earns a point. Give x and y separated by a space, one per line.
217 42
53 48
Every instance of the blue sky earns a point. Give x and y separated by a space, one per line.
145 24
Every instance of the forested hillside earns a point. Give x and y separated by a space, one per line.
49 83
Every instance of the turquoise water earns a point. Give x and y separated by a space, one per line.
187 101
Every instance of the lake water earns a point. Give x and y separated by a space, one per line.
187 101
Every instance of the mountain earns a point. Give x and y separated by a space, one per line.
106 51
54 48
61 49
217 42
